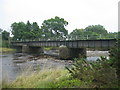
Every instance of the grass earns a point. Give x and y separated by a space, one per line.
61 78
53 78
6 50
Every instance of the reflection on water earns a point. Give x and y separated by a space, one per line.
14 64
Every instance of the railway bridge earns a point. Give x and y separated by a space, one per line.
68 48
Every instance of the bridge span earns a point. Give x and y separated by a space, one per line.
73 47
102 43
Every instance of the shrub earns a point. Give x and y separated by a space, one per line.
94 74
115 58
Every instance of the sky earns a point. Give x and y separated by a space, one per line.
78 13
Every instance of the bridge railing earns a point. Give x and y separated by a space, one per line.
60 39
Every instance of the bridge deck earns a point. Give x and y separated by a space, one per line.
103 43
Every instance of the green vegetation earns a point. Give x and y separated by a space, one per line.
82 74
92 32
22 31
4 42
51 28
115 58
4 38
6 50
103 73
55 78
97 74
5 35
54 29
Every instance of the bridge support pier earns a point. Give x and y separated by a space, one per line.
71 53
18 49
25 49
29 49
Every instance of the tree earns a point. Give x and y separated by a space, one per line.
28 32
36 30
1 31
96 32
112 35
54 28
90 32
5 35
22 31
18 30
77 34
99 29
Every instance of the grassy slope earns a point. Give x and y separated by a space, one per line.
55 78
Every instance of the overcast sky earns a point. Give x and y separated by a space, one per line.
78 13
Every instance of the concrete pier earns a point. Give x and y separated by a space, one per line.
29 49
25 49
71 53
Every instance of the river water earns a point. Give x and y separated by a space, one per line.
13 65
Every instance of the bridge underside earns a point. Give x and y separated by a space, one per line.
64 52
29 49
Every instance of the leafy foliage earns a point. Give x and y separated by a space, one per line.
92 32
4 38
77 34
54 28
5 35
115 57
97 29
95 74
51 29
22 31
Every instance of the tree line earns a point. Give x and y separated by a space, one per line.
54 29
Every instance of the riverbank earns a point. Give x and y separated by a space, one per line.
49 78
18 64
87 77
14 64
6 50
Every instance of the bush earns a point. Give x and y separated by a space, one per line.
67 83
115 59
94 74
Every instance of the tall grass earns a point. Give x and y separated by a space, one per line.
53 78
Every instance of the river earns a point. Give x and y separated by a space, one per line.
13 65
